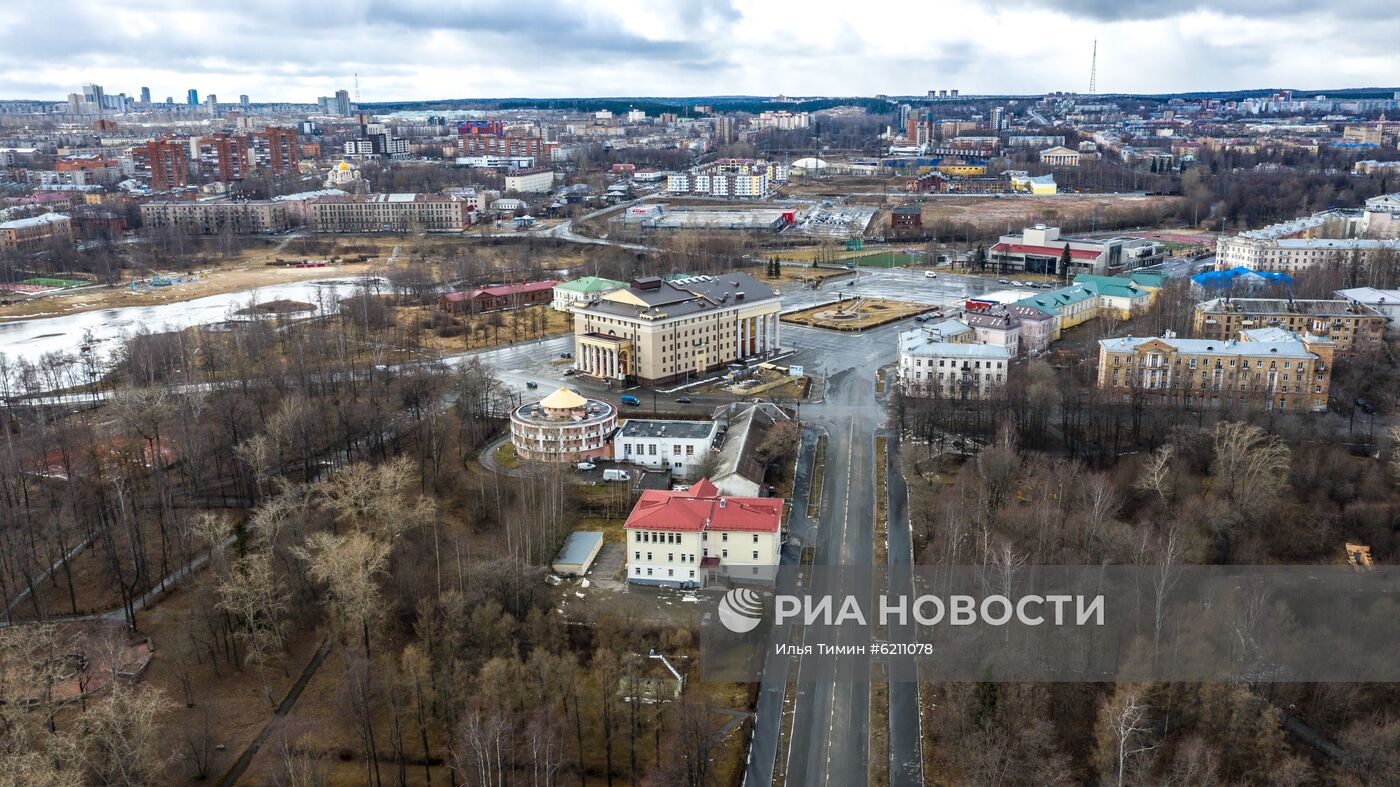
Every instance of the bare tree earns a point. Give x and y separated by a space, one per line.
1251 465
116 739
254 595
1156 473
1124 733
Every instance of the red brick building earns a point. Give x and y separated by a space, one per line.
165 163
224 157
505 296
276 149
907 217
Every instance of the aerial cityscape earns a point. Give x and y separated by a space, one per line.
700 394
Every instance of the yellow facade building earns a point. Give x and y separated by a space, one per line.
656 331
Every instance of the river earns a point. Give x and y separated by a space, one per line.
30 339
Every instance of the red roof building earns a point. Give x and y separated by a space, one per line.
1046 251
681 538
495 298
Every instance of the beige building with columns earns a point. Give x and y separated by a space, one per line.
654 332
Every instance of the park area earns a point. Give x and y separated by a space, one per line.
855 314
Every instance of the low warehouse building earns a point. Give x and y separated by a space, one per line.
578 553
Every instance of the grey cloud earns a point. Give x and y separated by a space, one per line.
1134 10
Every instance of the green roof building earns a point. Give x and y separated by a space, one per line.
583 290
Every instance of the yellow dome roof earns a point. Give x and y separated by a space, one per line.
342 165
563 399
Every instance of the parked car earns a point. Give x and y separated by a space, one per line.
531 384
1003 281
930 275
1015 283
922 318
566 356
570 371
682 400
586 466
631 401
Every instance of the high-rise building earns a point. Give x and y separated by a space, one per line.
222 157
193 98
243 101
95 98
998 118
342 103
724 130
212 104
276 149
164 162
146 96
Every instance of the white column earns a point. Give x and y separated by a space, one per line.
612 362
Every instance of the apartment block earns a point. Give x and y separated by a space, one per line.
1351 325
1266 367
956 370
34 233
222 157
276 150
211 218
389 213
529 181
164 163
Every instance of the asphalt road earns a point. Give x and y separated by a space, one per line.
831 720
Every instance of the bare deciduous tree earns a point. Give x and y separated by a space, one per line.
1156 473
116 740
1124 733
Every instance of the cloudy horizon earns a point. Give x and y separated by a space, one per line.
431 49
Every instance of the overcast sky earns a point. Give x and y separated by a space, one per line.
293 50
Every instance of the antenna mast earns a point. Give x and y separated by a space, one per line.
1093 72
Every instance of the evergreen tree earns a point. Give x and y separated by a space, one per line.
979 258
1065 258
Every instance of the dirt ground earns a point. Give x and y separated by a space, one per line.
1020 211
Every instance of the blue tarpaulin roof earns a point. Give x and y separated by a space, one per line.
1241 276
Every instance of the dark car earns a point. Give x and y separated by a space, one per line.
531 384
631 401
566 355
682 400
